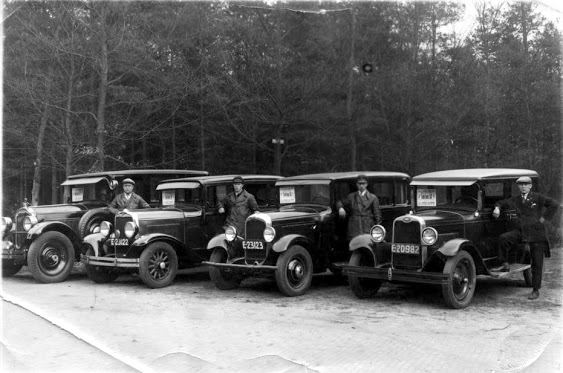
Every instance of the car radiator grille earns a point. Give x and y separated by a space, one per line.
20 233
407 233
255 232
120 222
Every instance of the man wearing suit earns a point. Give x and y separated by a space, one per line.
362 208
530 210
239 204
128 199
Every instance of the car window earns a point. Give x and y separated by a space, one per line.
492 192
180 197
383 190
456 197
304 194
264 193
401 193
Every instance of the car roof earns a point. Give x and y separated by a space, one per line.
469 176
222 178
330 176
118 173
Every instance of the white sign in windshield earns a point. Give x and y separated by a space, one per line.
426 197
77 194
168 197
287 195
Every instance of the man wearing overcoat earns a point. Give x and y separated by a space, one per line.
532 210
128 199
239 204
362 207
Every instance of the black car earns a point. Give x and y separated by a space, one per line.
157 242
450 240
48 238
305 235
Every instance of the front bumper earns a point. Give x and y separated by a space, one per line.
242 267
11 254
105 261
396 275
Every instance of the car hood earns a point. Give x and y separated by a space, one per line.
56 212
437 217
295 213
163 213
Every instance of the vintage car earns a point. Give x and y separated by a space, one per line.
450 240
48 238
157 242
305 235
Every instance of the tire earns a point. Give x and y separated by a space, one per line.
9 269
458 291
51 257
363 287
221 279
294 271
158 265
99 274
92 219
527 273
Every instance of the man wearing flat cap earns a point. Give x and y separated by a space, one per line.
532 210
362 207
128 200
239 204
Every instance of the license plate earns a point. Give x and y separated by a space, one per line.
399 248
253 245
118 241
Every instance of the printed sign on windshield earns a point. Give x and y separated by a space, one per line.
287 195
168 197
77 194
426 197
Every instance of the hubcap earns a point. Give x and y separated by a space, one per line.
460 280
52 259
295 271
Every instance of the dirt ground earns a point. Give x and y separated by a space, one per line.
192 326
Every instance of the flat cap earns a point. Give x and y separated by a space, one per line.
238 180
524 180
128 181
362 178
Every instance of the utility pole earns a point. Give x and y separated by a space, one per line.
278 142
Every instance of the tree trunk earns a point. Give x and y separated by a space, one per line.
351 124
100 129
67 127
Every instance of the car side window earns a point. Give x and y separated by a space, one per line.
383 190
401 193
492 192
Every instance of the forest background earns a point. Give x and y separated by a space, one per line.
284 88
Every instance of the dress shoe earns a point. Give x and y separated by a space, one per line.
534 295
503 268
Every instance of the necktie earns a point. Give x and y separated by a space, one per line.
523 198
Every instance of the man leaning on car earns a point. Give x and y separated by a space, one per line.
239 204
128 199
529 208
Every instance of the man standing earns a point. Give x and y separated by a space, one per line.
363 208
531 215
128 199
239 205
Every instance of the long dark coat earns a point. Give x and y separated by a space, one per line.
363 213
529 213
238 208
134 202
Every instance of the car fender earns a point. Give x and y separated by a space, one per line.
147 239
283 243
218 241
95 240
452 247
48 226
363 240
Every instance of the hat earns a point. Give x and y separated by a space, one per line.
362 178
524 180
238 180
128 181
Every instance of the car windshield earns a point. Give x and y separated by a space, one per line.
318 194
181 197
447 196
89 192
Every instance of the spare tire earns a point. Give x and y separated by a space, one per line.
92 218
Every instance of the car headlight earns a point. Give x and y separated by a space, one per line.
429 236
6 224
269 234
105 228
29 221
230 233
130 229
377 232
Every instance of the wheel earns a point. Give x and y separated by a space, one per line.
294 271
91 220
9 269
158 265
99 274
221 279
50 257
527 273
363 287
459 289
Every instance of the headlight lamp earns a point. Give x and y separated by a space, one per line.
269 234
6 224
429 236
230 233
29 221
377 232
130 229
105 228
